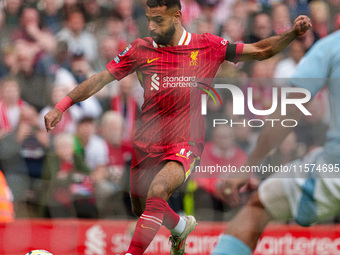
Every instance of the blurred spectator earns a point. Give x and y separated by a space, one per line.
235 9
77 37
336 22
288 151
69 190
21 153
70 118
35 87
245 137
81 69
281 18
31 3
95 15
191 11
233 30
140 19
221 151
241 11
125 103
204 25
31 141
261 84
6 201
286 67
126 8
312 129
261 28
30 32
309 38
214 111
114 28
109 48
69 6
297 7
92 147
320 17
34 142
114 187
51 18
334 6
120 151
12 11
8 62
57 67
223 11
4 34
10 106
207 22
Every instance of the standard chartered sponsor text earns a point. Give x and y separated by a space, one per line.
268 168
178 82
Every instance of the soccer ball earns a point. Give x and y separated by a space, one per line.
39 252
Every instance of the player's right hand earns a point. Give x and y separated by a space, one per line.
52 118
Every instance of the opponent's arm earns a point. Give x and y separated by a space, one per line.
269 139
271 46
78 94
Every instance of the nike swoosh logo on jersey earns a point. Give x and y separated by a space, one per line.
151 60
147 227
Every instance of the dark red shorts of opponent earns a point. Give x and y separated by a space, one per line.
145 166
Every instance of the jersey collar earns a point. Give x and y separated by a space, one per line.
185 40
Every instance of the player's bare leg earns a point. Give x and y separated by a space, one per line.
169 178
245 229
179 227
138 205
254 218
157 210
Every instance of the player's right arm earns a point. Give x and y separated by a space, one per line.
80 93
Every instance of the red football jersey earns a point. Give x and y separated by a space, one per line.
171 112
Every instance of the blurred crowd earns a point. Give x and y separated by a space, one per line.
81 168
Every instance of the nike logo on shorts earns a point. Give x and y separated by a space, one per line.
179 155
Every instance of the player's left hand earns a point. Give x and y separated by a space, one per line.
301 25
230 190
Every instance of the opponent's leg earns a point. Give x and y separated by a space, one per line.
246 228
164 183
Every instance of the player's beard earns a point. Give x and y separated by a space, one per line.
164 38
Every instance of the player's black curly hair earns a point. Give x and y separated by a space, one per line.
167 3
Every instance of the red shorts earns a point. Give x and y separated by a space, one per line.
145 166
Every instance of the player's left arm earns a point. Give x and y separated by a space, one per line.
269 47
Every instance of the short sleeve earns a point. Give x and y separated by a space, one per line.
125 62
223 49
218 46
313 70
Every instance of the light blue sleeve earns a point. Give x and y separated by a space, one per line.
313 70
